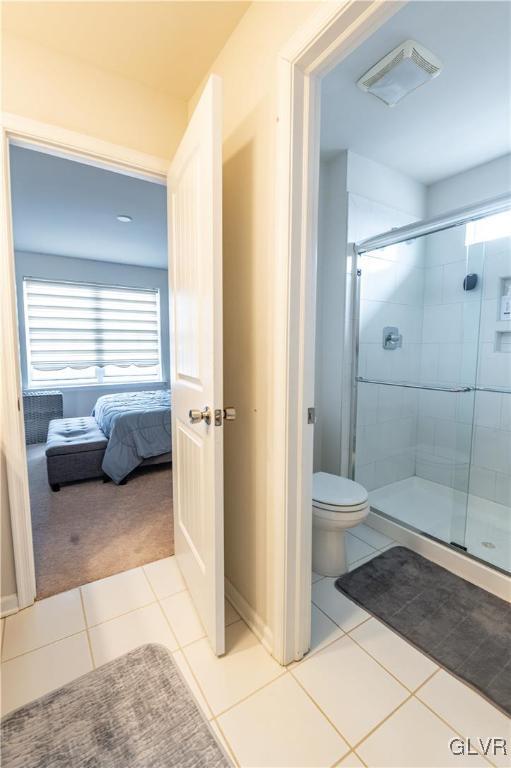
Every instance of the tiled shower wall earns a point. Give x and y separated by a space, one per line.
450 331
392 287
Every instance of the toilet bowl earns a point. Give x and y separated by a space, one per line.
337 504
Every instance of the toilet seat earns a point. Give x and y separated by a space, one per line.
326 510
332 494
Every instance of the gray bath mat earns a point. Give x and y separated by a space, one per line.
460 626
134 712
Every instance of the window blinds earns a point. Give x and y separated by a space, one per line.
79 325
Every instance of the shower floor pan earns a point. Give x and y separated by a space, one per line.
440 511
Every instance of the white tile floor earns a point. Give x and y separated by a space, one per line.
362 696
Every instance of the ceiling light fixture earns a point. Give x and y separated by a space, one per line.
400 72
124 218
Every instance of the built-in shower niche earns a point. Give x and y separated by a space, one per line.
503 341
503 331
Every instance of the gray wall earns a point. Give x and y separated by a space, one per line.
79 401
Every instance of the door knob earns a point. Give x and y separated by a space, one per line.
197 416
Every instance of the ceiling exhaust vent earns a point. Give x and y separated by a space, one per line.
401 71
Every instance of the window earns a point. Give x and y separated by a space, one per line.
83 333
489 228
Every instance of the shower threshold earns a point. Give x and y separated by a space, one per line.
439 511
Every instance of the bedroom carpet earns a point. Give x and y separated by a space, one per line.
92 529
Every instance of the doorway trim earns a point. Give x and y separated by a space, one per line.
324 41
62 142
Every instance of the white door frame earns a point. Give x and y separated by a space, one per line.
86 149
322 43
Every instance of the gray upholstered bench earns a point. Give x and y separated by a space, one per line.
74 450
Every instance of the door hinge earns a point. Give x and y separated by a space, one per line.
311 415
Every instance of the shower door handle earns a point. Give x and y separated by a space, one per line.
410 385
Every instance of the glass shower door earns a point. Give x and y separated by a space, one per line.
420 304
488 522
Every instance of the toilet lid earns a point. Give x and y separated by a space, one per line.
337 491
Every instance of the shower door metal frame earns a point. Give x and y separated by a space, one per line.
455 218
355 354
409 232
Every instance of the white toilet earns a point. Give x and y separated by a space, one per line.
337 504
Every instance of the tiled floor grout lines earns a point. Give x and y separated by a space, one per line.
45 645
324 714
351 752
180 649
232 752
87 630
191 671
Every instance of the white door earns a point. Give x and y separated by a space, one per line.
195 274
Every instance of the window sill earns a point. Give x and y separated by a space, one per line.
75 387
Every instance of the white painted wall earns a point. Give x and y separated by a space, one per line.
384 185
330 315
479 183
79 401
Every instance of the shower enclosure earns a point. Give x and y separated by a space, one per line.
431 411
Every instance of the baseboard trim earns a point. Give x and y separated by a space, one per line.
8 605
477 573
260 629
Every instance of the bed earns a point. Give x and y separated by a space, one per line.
137 427
124 431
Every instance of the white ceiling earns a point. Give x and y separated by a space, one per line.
66 208
456 121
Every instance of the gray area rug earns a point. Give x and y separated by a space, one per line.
82 533
460 626
134 712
